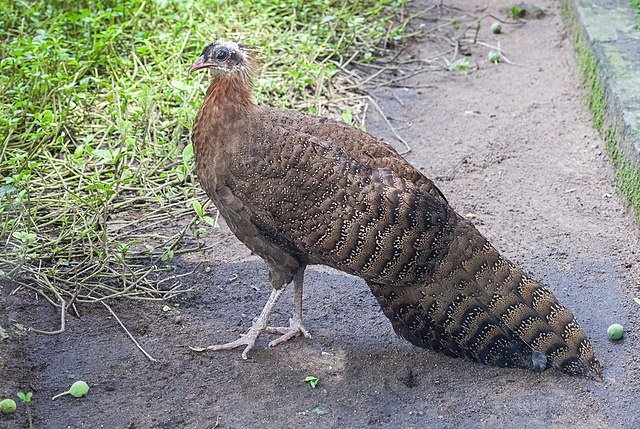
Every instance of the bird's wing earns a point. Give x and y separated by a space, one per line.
309 193
360 145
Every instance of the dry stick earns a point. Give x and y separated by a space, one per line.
63 310
398 99
378 66
169 293
364 115
455 52
418 14
497 48
217 423
72 301
178 276
371 77
405 77
520 21
129 333
319 90
393 130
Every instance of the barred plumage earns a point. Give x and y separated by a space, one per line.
301 190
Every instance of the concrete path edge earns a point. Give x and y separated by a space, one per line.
608 28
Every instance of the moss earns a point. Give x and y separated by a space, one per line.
636 4
627 173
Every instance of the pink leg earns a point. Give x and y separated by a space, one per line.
295 327
249 339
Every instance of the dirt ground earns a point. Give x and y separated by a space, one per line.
512 144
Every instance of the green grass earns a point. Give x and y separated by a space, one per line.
627 174
96 171
594 94
636 4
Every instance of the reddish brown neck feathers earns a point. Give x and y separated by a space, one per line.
231 91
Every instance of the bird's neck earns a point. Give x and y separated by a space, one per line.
227 101
229 94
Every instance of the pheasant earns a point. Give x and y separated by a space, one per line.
298 190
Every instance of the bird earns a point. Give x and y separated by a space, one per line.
300 190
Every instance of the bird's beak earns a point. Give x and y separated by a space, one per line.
200 63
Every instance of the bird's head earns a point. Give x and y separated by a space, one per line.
224 58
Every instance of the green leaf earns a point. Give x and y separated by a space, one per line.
347 116
25 237
182 86
517 12
106 156
7 189
187 155
327 18
312 380
197 207
46 117
167 255
319 410
461 64
210 221
494 57
24 397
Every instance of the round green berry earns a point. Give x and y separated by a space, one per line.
79 389
8 406
615 331
496 28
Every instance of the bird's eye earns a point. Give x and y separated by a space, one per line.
222 54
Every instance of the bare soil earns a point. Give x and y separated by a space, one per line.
512 144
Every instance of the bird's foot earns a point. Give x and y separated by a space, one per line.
248 340
294 329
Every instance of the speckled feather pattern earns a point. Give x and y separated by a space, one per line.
299 189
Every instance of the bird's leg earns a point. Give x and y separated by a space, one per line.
295 327
249 339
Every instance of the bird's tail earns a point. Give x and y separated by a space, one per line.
480 306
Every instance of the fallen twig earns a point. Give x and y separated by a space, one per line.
391 127
129 333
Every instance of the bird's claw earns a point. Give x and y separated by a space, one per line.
248 340
293 330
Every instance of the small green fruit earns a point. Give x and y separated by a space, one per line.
615 331
8 406
79 389
496 28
